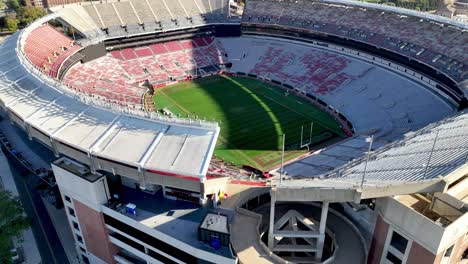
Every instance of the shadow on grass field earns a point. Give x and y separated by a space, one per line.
252 115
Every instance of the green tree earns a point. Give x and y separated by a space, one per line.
26 15
12 222
13 4
11 24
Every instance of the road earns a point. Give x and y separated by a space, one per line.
49 244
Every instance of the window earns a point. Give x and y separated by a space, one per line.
67 198
399 242
396 248
448 252
85 259
447 255
71 211
392 258
75 225
79 238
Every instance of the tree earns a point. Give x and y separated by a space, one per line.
12 222
11 24
13 4
26 15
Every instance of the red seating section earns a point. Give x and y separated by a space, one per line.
48 53
119 75
323 70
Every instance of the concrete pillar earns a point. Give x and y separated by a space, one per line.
271 238
323 225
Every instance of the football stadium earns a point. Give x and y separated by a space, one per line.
270 131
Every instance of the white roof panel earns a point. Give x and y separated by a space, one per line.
86 128
53 116
129 139
181 149
32 103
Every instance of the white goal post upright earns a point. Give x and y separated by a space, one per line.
310 136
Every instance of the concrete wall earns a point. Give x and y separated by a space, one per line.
215 184
312 194
411 223
173 181
378 241
92 194
72 153
40 136
116 168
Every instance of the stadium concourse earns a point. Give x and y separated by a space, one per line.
139 186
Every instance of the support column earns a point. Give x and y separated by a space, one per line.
323 225
271 238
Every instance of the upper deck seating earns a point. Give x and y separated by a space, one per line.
440 45
48 53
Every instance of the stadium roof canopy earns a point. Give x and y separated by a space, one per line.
179 147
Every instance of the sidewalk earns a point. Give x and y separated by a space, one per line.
60 222
29 246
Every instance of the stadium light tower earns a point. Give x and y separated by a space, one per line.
369 140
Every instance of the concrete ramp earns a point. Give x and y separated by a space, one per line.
245 238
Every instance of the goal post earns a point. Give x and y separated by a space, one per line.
306 144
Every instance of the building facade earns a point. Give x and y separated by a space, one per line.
423 228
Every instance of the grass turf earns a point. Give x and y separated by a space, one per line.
252 116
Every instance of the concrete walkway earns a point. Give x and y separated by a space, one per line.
27 241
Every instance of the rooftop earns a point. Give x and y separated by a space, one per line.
177 219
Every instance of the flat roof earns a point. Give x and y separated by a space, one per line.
128 139
177 219
215 222
181 149
86 128
53 116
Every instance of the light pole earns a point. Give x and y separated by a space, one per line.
369 140
282 160
430 154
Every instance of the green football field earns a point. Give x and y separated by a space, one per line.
252 115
